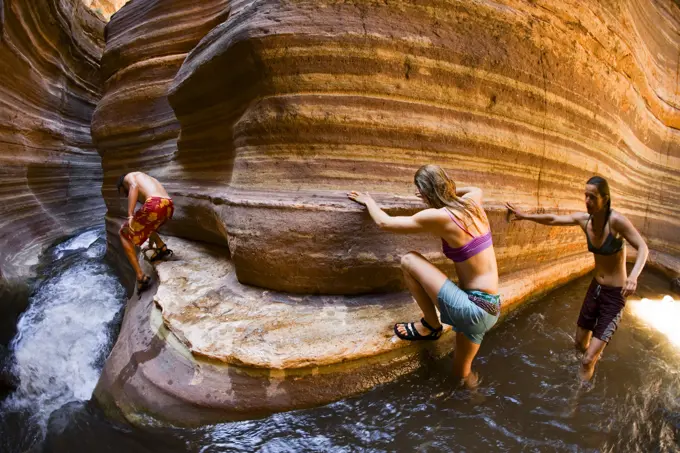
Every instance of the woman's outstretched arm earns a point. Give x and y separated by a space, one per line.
548 219
420 222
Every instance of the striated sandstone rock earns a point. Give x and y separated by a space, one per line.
134 126
286 105
49 85
525 99
283 106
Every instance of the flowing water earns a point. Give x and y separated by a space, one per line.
529 398
63 337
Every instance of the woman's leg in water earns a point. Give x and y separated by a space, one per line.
582 339
590 358
424 281
463 355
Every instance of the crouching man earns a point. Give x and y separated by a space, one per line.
144 224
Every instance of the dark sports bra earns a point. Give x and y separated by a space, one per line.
611 245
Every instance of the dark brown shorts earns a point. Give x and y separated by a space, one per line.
601 310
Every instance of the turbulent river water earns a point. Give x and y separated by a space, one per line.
529 398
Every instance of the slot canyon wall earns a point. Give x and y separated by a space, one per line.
50 170
258 116
284 106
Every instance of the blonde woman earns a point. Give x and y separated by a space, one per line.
457 217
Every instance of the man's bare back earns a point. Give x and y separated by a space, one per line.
148 186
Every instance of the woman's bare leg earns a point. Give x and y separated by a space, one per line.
590 358
463 355
424 281
582 339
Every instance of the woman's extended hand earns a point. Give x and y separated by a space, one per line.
630 287
361 198
512 210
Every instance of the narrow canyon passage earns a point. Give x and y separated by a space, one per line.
257 117
529 398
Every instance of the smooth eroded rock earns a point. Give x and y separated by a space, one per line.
49 86
284 106
218 350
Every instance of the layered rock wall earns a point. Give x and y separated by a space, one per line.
134 125
259 115
288 104
49 86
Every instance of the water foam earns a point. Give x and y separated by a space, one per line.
64 333
82 241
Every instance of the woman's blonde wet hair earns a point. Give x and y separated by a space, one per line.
439 191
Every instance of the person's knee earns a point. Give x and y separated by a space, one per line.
409 260
588 360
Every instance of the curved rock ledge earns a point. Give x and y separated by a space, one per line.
206 348
322 243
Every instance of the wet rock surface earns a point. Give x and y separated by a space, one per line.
206 348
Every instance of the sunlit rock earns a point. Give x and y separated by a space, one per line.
216 350
105 7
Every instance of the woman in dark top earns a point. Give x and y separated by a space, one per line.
606 297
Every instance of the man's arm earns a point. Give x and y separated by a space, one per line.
631 234
547 219
133 194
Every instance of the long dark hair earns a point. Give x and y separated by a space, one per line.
440 191
603 189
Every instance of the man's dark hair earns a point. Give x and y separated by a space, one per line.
121 182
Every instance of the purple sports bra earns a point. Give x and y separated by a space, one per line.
475 246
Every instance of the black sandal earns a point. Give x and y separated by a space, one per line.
413 335
158 253
143 284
